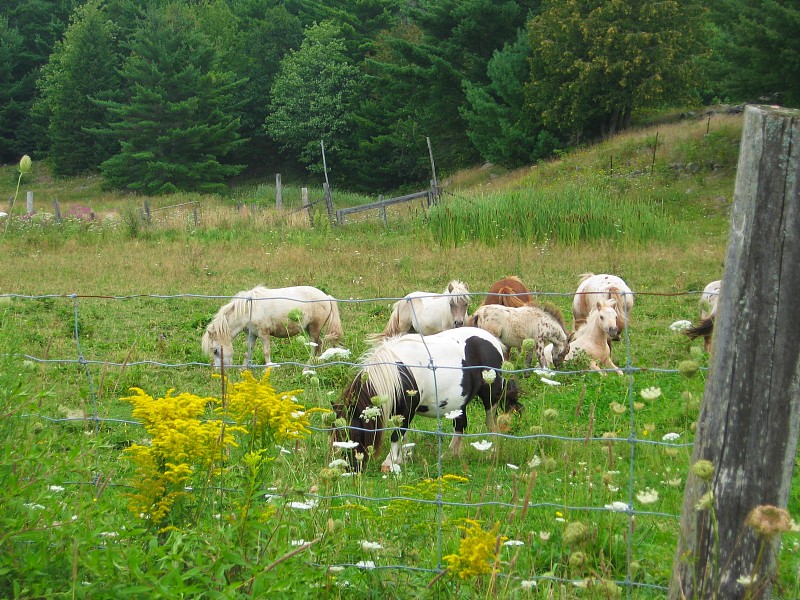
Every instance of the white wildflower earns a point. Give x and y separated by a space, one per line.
535 461
453 414
544 535
650 393
309 372
618 506
489 375
339 463
371 413
550 381
34 506
56 488
348 445
513 543
647 496
302 505
333 352
482 446
671 437
512 467
335 569
681 325
365 564
299 542
370 546
528 584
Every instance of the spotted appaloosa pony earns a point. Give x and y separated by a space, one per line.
595 288
708 313
595 335
428 312
265 312
512 325
426 375
508 291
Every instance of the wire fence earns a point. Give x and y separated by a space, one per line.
89 333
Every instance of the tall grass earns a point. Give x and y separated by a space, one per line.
570 216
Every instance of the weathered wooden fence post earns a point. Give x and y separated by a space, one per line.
328 201
434 181
306 204
750 418
57 211
278 192
29 202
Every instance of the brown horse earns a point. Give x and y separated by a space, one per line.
509 291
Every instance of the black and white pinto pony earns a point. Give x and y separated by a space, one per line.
512 325
427 312
596 288
278 312
709 300
426 375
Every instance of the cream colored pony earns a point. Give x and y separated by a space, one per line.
594 337
427 312
596 288
279 312
709 300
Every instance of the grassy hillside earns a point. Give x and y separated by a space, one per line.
144 291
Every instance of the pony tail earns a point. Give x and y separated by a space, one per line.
333 332
702 329
393 326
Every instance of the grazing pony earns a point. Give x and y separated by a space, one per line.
594 336
279 312
596 288
428 313
708 313
427 375
512 325
509 291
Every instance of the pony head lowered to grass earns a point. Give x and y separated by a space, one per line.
427 312
512 325
433 376
278 312
508 291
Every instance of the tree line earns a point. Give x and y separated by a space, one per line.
162 95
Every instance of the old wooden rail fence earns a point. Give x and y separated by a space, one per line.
430 194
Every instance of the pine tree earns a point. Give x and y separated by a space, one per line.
177 123
82 67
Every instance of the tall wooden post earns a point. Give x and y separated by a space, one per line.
750 417
278 192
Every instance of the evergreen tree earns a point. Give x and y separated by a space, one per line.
176 124
757 51
314 96
495 114
594 62
28 31
82 67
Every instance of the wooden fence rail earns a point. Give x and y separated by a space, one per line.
341 214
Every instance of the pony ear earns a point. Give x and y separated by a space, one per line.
599 306
450 287
612 302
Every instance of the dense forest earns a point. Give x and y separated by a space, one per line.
160 95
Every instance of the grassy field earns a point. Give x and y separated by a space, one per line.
99 305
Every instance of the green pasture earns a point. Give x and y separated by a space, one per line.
92 308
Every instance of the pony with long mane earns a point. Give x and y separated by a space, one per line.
595 335
427 375
512 325
709 300
277 312
596 288
508 291
428 313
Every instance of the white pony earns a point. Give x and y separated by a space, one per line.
279 312
596 288
512 325
594 336
428 313
709 300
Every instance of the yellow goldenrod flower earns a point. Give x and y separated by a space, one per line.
477 551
